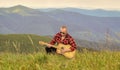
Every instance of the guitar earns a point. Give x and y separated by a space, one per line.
60 47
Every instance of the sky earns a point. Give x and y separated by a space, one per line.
84 4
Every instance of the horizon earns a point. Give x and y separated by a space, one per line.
58 8
86 4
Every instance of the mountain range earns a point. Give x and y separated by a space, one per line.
93 12
84 24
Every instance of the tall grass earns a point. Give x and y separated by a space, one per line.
22 44
31 41
104 60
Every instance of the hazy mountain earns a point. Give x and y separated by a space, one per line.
20 19
19 9
94 12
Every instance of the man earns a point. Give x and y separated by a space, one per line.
64 38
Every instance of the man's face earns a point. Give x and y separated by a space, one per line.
63 31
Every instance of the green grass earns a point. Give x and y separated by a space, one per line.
105 60
22 52
21 43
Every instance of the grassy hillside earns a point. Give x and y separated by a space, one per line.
13 49
28 43
21 43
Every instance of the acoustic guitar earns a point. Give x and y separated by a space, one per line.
60 47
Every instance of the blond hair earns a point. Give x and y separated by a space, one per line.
64 27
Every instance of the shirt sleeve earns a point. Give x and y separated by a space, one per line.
53 41
55 38
73 44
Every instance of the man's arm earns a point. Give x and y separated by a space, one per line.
53 41
73 44
72 48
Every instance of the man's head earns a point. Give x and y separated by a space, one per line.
63 30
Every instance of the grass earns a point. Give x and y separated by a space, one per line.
22 52
86 60
21 43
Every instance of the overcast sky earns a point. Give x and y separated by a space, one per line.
85 4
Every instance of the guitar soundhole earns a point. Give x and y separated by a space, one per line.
62 47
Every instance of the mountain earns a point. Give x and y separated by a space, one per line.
94 12
19 9
21 19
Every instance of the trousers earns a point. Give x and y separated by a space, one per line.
50 50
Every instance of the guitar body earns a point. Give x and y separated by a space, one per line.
60 47
66 54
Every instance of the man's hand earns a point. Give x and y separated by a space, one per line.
65 50
49 45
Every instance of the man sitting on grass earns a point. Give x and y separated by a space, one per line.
64 38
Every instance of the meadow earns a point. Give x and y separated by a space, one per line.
22 52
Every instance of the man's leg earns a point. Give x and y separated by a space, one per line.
50 50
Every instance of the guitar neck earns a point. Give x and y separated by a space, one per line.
48 44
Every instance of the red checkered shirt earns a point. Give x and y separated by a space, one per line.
67 40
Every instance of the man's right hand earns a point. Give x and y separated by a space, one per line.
49 45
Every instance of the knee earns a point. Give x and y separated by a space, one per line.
47 49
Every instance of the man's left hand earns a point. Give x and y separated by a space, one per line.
65 50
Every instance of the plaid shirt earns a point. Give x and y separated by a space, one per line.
67 40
